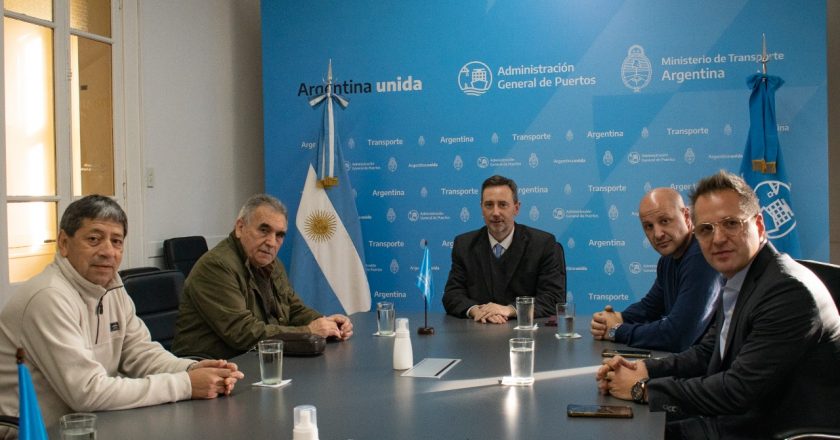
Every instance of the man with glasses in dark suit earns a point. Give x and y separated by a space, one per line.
770 362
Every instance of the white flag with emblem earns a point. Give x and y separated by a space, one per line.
329 266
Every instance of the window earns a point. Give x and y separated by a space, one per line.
59 113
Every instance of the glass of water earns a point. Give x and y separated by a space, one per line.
271 361
566 320
385 318
78 426
521 362
525 313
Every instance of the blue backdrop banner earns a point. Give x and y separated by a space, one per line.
586 107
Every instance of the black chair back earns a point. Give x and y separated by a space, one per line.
135 270
182 252
561 255
156 296
8 427
828 273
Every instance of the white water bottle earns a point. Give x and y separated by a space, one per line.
403 356
306 423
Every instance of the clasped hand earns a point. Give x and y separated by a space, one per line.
618 375
491 312
338 326
210 378
603 321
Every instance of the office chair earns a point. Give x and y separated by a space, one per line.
809 434
8 427
828 273
156 296
135 270
561 255
182 252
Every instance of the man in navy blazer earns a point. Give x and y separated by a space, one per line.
771 361
503 260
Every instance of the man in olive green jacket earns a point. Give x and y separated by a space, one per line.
238 293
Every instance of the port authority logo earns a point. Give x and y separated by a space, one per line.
636 70
475 78
779 219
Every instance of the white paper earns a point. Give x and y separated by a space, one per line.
432 367
276 385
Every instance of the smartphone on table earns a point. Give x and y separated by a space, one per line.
608 411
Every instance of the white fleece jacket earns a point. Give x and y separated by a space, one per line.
83 357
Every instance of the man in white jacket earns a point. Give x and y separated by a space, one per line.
85 346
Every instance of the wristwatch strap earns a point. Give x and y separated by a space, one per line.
611 332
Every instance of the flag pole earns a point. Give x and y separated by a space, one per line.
764 58
426 330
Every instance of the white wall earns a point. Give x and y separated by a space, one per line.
200 119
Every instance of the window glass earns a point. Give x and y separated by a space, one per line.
30 138
91 119
92 16
31 238
34 8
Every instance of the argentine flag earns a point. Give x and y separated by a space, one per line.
425 282
328 268
762 167
31 424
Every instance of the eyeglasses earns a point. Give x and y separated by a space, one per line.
730 226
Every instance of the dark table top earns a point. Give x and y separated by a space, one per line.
359 396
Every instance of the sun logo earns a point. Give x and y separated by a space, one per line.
320 225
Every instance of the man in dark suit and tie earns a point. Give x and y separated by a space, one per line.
503 260
771 361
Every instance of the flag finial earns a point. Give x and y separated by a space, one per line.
19 355
764 58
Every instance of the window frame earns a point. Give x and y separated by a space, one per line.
62 108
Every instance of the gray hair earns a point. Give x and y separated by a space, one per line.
258 200
92 207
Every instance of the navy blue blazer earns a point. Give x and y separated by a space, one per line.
781 369
533 268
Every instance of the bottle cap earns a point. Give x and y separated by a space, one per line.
306 423
402 324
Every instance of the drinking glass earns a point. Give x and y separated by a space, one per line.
385 316
78 426
521 361
566 320
525 313
271 361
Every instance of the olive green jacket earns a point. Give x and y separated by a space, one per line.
221 314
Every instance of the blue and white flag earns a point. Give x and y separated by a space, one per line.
328 268
762 166
425 282
30 422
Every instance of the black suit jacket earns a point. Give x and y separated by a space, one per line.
533 268
781 369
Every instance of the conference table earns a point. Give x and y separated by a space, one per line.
359 396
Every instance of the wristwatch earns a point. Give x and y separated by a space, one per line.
638 391
611 332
